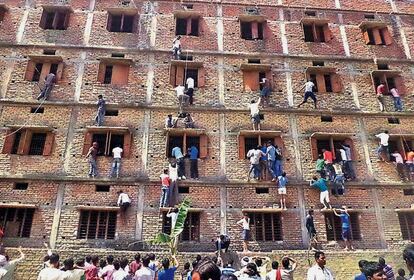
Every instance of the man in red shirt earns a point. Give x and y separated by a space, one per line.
380 96
328 157
92 271
410 164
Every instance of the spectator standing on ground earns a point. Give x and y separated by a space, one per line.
401 274
165 185
254 156
145 273
282 182
309 86
119 271
70 272
50 81
346 227
124 201
288 268
193 152
179 157
275 273
100 115
52 272
136 264
380 96
245 224
109 268
7 268
92 157
373 271
250 272
361 265
228 269
190 89
383 147
167 273
388 271
397 99
310 226
408 256
319 271
255 113
186 270
321 185
92 271
116 162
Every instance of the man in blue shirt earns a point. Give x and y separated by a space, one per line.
193 152
179 157
167 273
346 227
271 157
361 276
323 188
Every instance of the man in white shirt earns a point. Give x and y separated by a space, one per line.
254 113
399 163
319 271
309 86
52 272
116 162
245 224
176 47
145 273
123 201
274 273
190 89
182 97
382 151
173 214
254 155
7 268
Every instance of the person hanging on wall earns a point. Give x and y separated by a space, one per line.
190 89
100 115
182 97
188 121
179 157
50 81
380 96
116 162
176 49
170 122
309 87
321 185
255 113
265 91
383 151
310 226
123 201
193 153
92 156
398 105
346 226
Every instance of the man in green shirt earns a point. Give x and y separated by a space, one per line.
321 185
320 166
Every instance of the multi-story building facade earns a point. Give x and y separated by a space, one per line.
122 50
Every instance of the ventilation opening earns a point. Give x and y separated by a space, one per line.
102 188
37 110
49 52
188 6
262 190
408 191
186 57
118 55
111 113
383 67
257 61
393 120
318 63
21 186
369 16
183 189
310 13
326 119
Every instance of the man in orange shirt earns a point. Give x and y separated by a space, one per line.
328 157
380 96
410 163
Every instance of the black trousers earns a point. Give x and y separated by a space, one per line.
223 245
190 93
194 168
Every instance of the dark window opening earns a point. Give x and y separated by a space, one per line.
50 16
97 225
37 72
186 57
16 143
100 138
408 191
312 77
334 227
121 23
37 110
37 144
326 119
253 60
328 84
246 30
194 27
53 68
54 20
118 55
320 33
323 144
262 75
2 13
102 188
391 83
250 143
262 190
111 113
108 74
16 222
260 28
128 24
371 37
310 13
318 63
116 23
393 120
188 6
107 141
193 73
407 225
382 36
383 67
369 16
49 52
181 26
175 141
117 140
21 186
191 230
266 226
183 189
308 31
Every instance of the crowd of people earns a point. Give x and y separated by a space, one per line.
222 266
